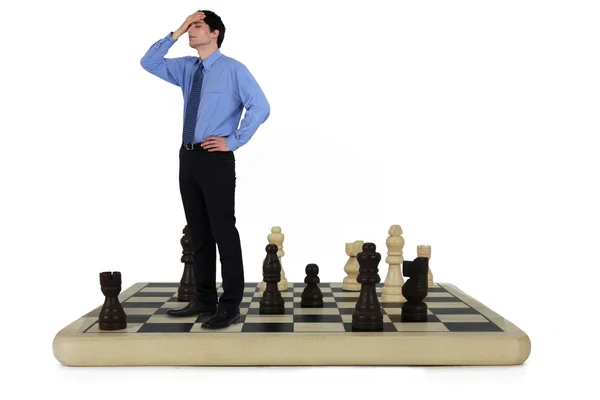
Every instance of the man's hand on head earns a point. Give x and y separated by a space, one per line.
215 143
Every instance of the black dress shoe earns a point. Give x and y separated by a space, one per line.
222 319
194 307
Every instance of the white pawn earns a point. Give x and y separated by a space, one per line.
352 267
425 251
276 237
392 287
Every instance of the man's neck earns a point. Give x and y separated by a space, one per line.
204 52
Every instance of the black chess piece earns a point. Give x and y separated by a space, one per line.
112 316
271 301
187 284
367 314
415 290
312 295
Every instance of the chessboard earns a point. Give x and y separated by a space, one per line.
459 331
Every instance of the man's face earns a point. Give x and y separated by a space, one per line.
200 35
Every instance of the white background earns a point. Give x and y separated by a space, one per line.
472 124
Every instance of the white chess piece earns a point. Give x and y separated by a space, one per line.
352 267
277 238
425 251
392 287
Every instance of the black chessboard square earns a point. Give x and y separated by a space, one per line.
458 310
174 285
256 311
326 304
436 290
442 299
141 304
155 294
317 318
345 299
472 327
162 311
346 311
166 327
387 327
390 305
268 327
303 285
398 318
137 319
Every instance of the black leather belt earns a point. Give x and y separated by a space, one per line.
193 146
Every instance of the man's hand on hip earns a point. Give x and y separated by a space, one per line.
215 143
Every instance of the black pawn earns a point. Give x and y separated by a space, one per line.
367 314
312 296
187 284
415 290
112 316
271 301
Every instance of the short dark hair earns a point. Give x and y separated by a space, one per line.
214 22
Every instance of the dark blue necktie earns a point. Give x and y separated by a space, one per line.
191 113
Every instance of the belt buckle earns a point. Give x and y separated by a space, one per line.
187 146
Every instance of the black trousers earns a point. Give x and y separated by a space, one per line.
207 184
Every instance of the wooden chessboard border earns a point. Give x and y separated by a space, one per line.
511 346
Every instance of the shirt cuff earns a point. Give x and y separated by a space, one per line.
232 143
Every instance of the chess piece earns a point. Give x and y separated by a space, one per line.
425 251
112 316
392 287
415 290
367 314
271 301
276 237
187 284
351 267
312 296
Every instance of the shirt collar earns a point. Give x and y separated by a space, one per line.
210 60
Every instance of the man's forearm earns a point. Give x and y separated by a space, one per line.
176 35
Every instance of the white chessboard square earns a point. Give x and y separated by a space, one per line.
439 294
233 328
346 304
398 311
169 289
323 289
289 303
268 318
347 294
461 318
131 328
167 319
420 327
173 304
143 299
318 327
138 311
446 304
316 311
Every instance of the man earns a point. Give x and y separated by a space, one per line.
216 88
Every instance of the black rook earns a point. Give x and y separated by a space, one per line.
112 316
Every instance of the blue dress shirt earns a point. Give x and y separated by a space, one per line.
228 87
